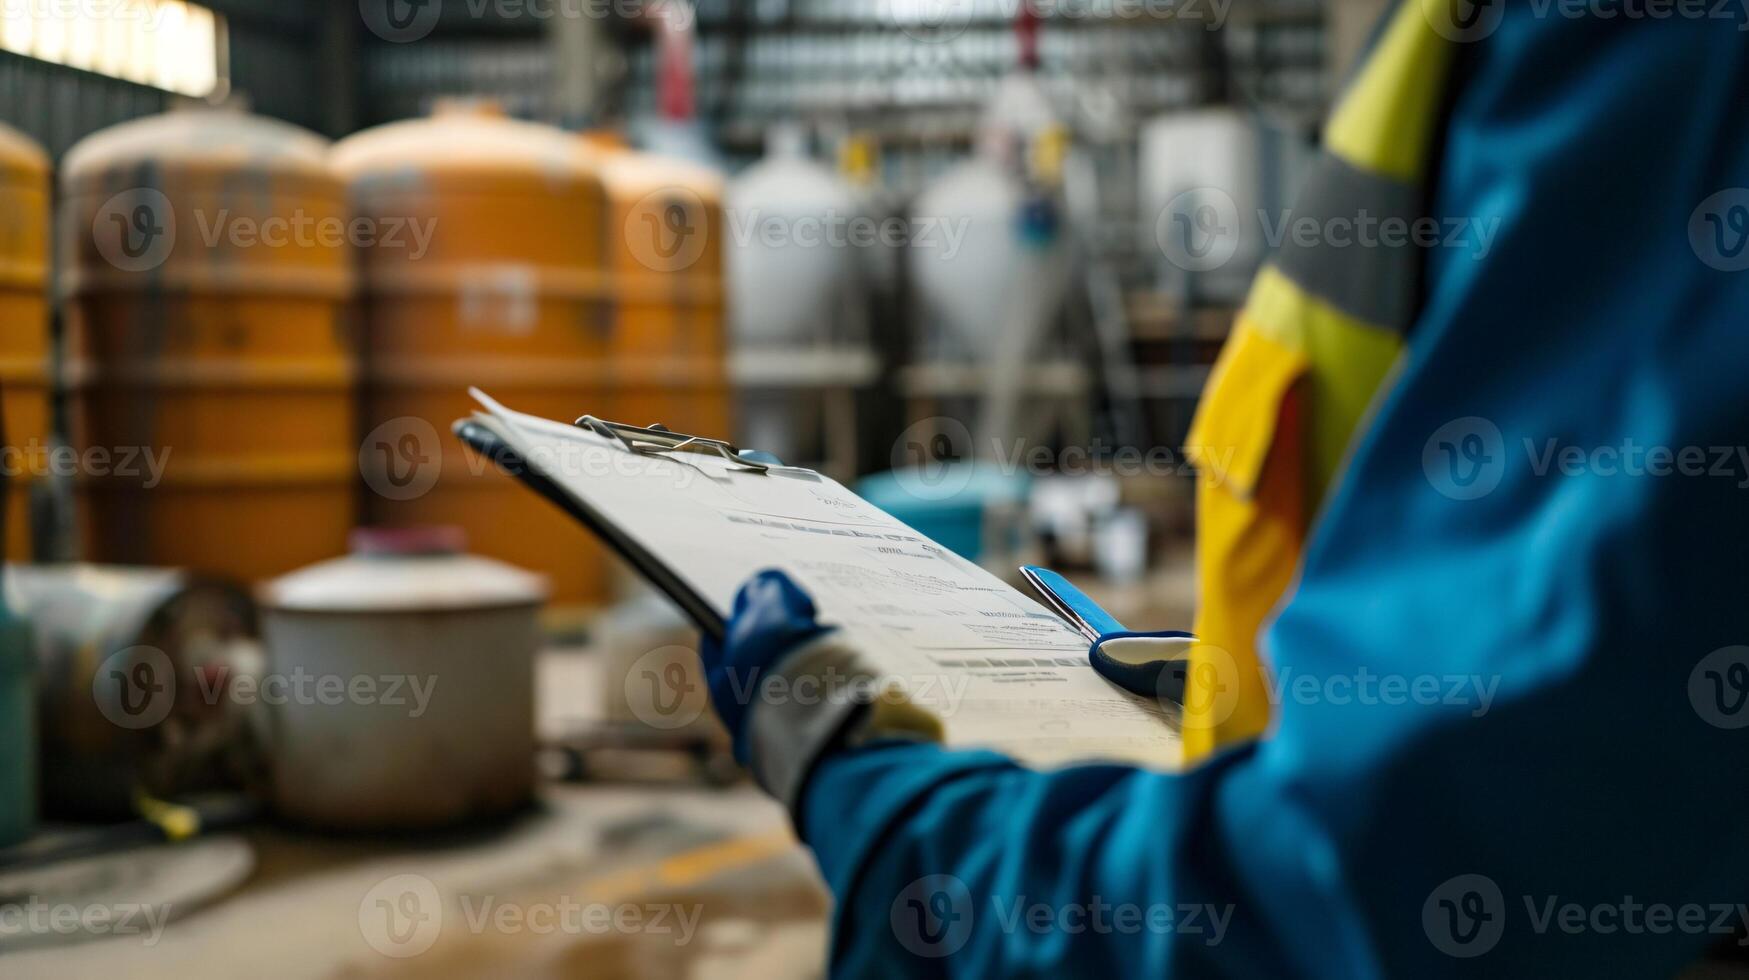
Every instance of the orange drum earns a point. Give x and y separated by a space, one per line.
497 281
24 341
667 230
208 274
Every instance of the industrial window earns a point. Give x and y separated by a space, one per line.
167 44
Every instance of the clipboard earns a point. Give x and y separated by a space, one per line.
694 606
696 517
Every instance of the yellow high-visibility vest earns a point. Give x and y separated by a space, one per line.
1309 354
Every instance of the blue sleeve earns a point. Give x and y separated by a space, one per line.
1510 734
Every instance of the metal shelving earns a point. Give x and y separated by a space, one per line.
918 86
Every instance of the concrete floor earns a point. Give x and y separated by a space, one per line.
599 882
736 896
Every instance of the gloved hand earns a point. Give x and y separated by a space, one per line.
790 690
772 619
1153 665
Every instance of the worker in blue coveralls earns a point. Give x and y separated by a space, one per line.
1530 474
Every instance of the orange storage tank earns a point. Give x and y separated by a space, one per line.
24 327
506 290
669 341
208 274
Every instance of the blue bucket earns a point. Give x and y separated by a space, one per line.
946 503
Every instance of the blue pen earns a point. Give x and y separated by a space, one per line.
1071 603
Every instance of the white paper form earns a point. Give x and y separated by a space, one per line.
999 669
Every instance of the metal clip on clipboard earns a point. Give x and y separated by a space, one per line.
656 440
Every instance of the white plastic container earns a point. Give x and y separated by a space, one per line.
432 723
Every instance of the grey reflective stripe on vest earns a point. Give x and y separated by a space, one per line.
1372 282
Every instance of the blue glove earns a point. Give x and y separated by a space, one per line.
789 690
1153 665
772 619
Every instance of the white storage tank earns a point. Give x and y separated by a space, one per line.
1215 184
989 257
793 275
